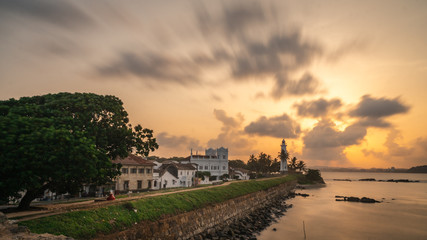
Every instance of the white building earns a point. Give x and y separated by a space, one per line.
171 175
239 173
214 161
283 162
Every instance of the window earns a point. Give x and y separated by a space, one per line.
187 173
139 184
133 170
180 173
126 185
125 170
155 183
148 170
200 167
141 170
223 167
206 168
173 182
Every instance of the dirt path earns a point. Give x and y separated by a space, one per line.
58 208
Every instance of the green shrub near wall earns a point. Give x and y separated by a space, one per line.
87 224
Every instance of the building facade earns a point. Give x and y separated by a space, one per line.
171 175
214 161
137 174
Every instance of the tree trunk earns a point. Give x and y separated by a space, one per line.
29 196
25 202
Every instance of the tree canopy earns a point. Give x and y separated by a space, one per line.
263 164
61 141
296 164
237 164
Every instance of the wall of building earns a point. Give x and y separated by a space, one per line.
133 178
214 161
187 225
186 177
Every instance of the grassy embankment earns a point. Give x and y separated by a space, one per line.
88 223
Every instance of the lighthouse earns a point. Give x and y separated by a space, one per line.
283 158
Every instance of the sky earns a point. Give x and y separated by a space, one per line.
343 82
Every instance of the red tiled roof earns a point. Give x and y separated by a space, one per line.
133 160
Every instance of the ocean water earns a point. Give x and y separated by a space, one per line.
401 215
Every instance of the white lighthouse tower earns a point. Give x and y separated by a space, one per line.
283 158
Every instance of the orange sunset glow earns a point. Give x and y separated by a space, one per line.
344 82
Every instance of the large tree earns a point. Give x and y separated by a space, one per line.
237 164
61 141
261 164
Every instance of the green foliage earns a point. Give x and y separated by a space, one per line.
87 224
312 176
237 164
224 176
263 164
202 175
295 165
60 141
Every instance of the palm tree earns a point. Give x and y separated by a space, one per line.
296 165
292 166
301 166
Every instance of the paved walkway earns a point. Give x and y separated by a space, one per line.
58 208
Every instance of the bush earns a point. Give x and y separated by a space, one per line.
314 176
311 177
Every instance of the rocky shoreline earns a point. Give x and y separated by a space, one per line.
253 223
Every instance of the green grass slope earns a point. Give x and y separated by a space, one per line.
87 224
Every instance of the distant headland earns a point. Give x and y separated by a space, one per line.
417 169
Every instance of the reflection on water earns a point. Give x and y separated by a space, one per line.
401 215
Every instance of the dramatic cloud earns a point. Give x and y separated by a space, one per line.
373 111
306 85
183 142
232 46
231 135
234 19
280 127
317 108
324 135
325 142
378 107
280 54
374 122
228 122
62 14
152 67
